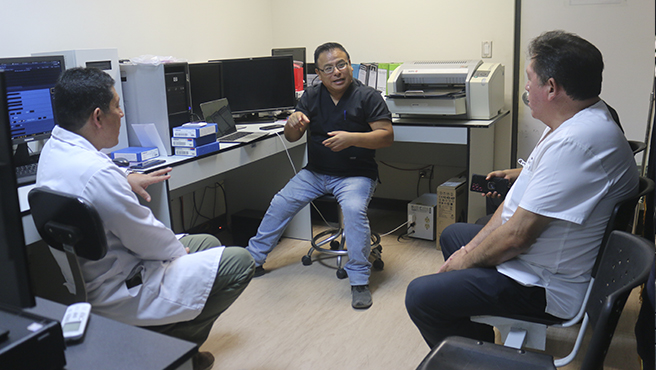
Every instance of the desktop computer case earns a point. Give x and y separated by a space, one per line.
34 342
158 94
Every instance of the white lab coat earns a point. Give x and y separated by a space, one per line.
175 284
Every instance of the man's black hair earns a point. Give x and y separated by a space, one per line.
574 63
327 47
78 92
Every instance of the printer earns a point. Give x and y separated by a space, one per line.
468 89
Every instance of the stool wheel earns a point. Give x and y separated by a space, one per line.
307 260
334 245
341 273
378 264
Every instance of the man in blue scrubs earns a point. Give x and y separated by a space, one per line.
346 122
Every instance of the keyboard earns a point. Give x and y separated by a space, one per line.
234 136
26 173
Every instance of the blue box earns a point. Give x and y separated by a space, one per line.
135 154
195 152
190 142
195 130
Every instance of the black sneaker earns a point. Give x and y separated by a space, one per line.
361 296
259 271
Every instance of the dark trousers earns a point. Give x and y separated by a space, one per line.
441 304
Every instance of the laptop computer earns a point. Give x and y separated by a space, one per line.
218 111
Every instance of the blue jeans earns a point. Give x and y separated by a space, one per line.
440 305
353 195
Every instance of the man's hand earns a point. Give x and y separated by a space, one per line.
298 121
338 140
139 181
510 175
296 125
455 261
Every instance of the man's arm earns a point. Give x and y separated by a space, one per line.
380 136
499 244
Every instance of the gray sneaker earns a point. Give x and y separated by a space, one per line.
361 296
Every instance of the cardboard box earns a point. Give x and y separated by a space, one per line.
195 130
189 142
195 152
136 154
451 204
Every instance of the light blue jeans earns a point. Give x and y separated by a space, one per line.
353 195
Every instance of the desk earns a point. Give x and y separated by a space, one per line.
476 135
249 184
109 344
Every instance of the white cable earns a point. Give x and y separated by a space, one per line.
400 226
294 168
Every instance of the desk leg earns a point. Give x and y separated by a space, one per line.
159 203
481 161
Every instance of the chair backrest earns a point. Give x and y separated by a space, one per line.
70 224
63 219
622 216
624 265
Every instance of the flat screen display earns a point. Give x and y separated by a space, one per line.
15 289
263 84
29 83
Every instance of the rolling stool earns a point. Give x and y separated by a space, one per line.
336 239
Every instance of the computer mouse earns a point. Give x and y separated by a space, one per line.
121 162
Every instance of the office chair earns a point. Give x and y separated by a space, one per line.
70 224
518 331
625 264
637 146
336 239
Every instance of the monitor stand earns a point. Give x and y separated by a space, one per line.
23 157
247 118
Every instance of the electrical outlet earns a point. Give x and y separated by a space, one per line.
486 49
425 174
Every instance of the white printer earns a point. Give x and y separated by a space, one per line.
467 89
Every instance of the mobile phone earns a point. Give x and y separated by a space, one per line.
272 127
75 320
480 185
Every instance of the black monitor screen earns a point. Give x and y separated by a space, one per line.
205 84
15 290
259 84
298 54
29 98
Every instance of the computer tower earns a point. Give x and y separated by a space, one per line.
157 94
106 60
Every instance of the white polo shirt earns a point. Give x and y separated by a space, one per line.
575 175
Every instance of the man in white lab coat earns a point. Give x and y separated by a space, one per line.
149 277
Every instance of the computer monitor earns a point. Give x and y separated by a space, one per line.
29 81
255 85
298 54
205 85
15 289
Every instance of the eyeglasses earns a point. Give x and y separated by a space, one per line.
330 69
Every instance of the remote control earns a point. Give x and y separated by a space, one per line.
75 320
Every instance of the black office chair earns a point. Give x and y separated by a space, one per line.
70 224
637 146
518 331
625 264
336 240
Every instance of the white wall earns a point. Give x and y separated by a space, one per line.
195 30
371 30
623 32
